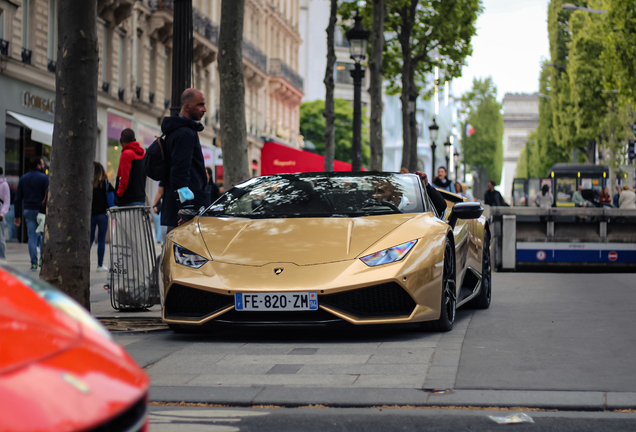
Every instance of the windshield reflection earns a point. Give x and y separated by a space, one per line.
321 195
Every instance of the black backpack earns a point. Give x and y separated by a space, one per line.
156 161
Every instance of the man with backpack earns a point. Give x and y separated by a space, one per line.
185 177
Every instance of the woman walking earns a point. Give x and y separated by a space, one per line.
99 219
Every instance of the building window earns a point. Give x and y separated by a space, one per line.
339 38
25 24
120 66
52 48
141 57
2 15
167 78
105 59
152 87
343 74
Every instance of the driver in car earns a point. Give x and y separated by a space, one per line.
387 191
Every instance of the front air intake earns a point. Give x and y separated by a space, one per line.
378 301
186 302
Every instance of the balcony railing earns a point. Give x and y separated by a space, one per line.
120 94
278 68
200 22
4 47
51 65
26 55
255 55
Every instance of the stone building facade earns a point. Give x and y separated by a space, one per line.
520 116
135 38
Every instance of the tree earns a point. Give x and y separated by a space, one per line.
547 151
66 254
375 88
232 94
619 57
425 34
328 112
484 149
312 128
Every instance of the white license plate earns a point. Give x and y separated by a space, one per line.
293 301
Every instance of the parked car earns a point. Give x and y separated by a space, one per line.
60 370
327 248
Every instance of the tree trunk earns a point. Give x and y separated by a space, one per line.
66 259
328 113
404 37
232 94
375 88
413 160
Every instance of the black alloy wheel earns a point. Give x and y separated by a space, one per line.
449 296
482 301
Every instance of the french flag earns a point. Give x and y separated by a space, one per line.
468 130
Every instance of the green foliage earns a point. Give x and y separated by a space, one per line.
547 151
441 37
619 57
312 128
484 149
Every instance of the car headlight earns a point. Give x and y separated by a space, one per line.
386 256
64 303
188 258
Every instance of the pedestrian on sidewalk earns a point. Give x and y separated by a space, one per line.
32 189
187 179
5 203
131 177
545 199
99 218
212 189
627 200
492 197
442 181
160 232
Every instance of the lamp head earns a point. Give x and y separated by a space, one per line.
358 37
433 129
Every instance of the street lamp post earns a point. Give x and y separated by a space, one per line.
456 162
433 129
358 38
447 151
181 52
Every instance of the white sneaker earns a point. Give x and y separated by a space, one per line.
102 269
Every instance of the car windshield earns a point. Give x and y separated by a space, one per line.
321 195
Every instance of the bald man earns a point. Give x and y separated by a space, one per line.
185 185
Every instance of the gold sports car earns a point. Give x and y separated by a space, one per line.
328 248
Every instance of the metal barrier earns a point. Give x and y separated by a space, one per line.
134 275
532 236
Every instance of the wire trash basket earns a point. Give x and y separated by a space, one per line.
134 273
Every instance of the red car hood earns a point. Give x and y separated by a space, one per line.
30 329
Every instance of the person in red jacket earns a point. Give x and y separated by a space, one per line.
130 187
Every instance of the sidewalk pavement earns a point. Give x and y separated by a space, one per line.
18 258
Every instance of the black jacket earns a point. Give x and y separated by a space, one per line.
187 167
446 185
494 198
99 204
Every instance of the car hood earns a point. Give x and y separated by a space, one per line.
302 241
30 329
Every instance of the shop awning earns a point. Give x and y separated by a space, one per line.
281 159
41 131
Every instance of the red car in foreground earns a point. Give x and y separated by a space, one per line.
59 368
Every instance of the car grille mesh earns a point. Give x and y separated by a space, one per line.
384 300
187 302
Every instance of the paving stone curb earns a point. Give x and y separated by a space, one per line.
351 398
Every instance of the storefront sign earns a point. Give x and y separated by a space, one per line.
38 103
116 124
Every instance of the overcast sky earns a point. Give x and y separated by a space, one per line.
512 37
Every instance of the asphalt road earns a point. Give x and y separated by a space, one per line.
553 341
187 419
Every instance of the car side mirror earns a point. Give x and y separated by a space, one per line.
465 210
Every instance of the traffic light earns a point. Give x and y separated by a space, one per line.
630 150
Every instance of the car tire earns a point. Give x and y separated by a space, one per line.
482 301
449 295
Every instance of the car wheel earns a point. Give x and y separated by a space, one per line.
482 301
449 297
